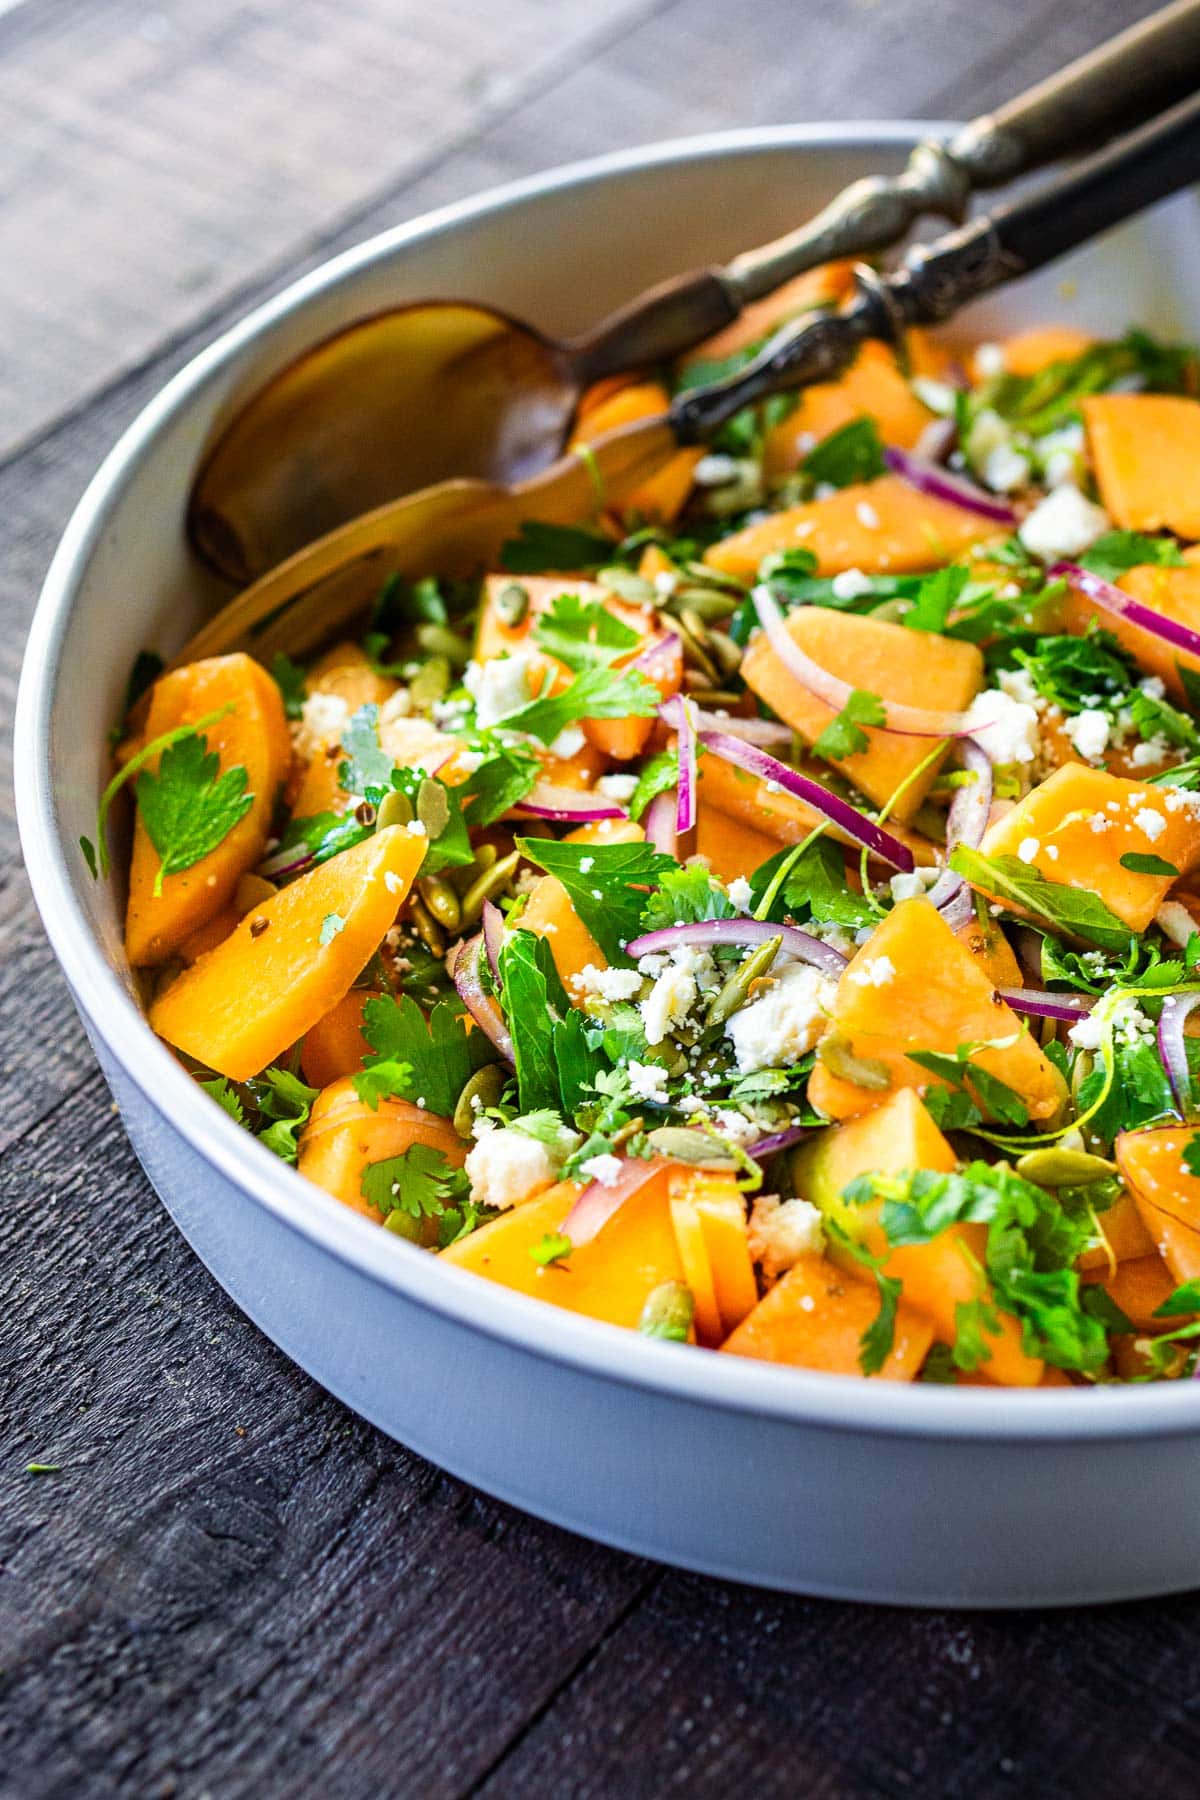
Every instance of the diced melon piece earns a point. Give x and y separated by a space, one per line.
874 387
883 527
1053 829
709 1217
1173 592
1145 450
730 846
750 801
344 1136
412 741
548 912
914 667
606 408
335 1046
937 1277
913 985
1029 352
1124 1236
992 951
814 1318
608 1278
345 671
1139 1286
1166 1193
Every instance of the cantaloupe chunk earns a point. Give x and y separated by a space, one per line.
883 527
1029 352
992 951
335 1046
608 1278
821 286
1139 1286
1125 1236
206 937
344 1136
814 1318
935 998
345 672
1145 451
708 1214
662 495
241 1005
937 1277
749 800
730 846
1166 1193
412 741
874 387
1173 592
1052 830
548 912
880 658
253 736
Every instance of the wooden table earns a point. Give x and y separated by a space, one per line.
233 1586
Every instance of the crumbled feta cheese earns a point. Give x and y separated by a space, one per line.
990 361
617 787
1063 524
715 470
736 1128
868 518
1150 822
1027 849
323 718
586 864
607 984
781 1024
876 971
665 582
1121 1010
851 584
648 1081
415 828
1151 750
938 396
1018 683
781 1232
1176 922
1005 469
1008 728
740 893
1153 687
605 1169
911 887
1099 823
507 1165
1059 454
675 990
499 687
989 433
1088 731
568 743
393 883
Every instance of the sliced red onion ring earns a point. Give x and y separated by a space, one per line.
928 478
482 1007
908 721
959 911
1040 1003
779 1140
575 806
599 1201
493 936
741 931
285 862
967 818
839 812
1123 606
659 823
764 732
937 440
1172 1048
676 713
659 661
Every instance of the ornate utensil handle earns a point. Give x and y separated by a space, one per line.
939 278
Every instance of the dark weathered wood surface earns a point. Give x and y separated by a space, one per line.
234 1587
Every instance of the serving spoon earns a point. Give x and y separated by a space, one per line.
446 388
458 527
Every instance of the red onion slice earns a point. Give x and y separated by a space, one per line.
482 1007
599 1201
285 862
939 484
706 932
574 806
493 936
864 831
678 715
659 823
1040 1003
779 1140
1172 1048
967 818
764 732
908 721
660 661
1123 606
959 911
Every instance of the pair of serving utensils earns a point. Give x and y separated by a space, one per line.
307 494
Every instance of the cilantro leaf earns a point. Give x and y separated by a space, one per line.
188 807
552 1248
368 768
440 1053
842 736
556 549
226 1097
497 785
849 455
1075 911
583 633
419 1182
290 680
1185 1299
686 896
877 1341
285 1100
814 890
1117 551
608 894
596 692
936 598
655 777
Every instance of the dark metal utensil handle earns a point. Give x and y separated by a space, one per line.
939 278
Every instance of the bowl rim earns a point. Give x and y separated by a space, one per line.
784 1395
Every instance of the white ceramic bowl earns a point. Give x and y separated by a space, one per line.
826 1485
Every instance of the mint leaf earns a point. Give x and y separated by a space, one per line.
188 807
1138 862
1075 911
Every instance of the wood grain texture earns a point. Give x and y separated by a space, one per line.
234 1587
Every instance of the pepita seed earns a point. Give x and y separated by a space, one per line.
725 652
734 991
1055 1167
441 900
394 809
668 1312
684 1145
487 884
696 656
836 1051
430 681
512 604
485 1087
403 1225
427 928
439 640
629 586
433 808
708 603
706 696
708 577
251 891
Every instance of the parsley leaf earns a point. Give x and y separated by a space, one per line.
188 807
289 679
287 1101
686 896
849 455
533 1003
552 1248
556 549
608 894
324 834
815 889
583 633
1075 911
439 1054
842 736
595 692
499 784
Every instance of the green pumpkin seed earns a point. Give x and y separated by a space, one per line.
394 809
433 807
482 1091
251 891
512 605
891 611
1055 1167
668 1312
705 696
403 1225
725 652
491 880
427 928
441 900
836 1051
439 640
695 655
628 586
707 577
430 681
681 1144
735 990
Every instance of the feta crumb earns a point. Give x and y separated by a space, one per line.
1151 823
715 470
568 743
1018 683
868 518
1176 922
1005 469
1153 686
617 787
1063 524
1121 1010
1009 727
1088 731
648 1081
393 883
990 361
499 687
851 584
605 1169
415 828
911 887
736 1128
781 1232
1151 750
1027 849
740 893
938 396
507 1165
666 581
674 992
876 971
323 718
781 1024
607 984
1099 823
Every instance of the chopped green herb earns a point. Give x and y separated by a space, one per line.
540 549
189 806
1076 911
1140 863
849 455
842 736
552 1250
289 678
331 925
438 1055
